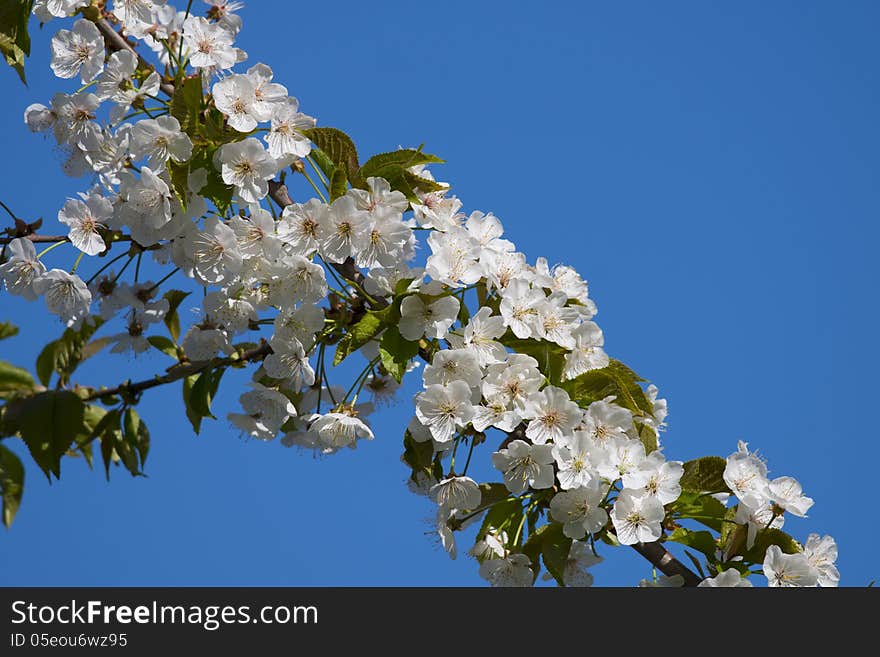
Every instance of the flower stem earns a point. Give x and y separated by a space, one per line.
49 248
164 278
78 260
104 268
314 186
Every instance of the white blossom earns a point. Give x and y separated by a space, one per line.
574 461
579 510
433 319
443 408
657 477
343 232
587 353
286 136
247 166
821 553
519 308
265 411
788 570
289 362
457 492
208 45
525 466
637 517
215 253
787 493
513 570
46 10
84 219
552 415
66 295
337 430
158 140
203 342
235 96
268 95
730 578
21 269
450 365
78 51
746 475
479 337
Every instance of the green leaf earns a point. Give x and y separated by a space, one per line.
215 190
615 379
401 288
7 330
216 130
64 355
705 475
195 419
14 380
492 492
733 536
109 432
172 320
365 330
338 184
703 508
418 456
324 163
136 434
550 356
15 43
378 165
164 345
186 104
48 422
701 540
198 396
396 352
46 362
407 183
179 180
104 431
506 514
553 545
648 436
339 148
11 483
127 454
93 418
768 537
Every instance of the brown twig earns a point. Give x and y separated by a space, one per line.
666 563
49 239
115 41
181 372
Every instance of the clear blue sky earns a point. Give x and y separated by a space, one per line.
711 168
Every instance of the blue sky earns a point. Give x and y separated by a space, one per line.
710 168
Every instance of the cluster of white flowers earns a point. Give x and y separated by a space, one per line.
589 467
763 504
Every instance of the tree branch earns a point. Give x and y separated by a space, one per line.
181 372
115 41
666 563
37 239
49 239
659 556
